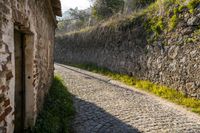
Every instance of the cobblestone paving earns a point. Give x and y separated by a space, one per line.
103 106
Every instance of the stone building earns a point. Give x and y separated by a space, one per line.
27 29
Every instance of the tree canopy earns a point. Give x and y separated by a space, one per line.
106 8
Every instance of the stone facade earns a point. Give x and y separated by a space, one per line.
35 20
173 60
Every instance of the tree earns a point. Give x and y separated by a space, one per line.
106 8
76 14
74 19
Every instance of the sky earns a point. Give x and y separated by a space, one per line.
81 4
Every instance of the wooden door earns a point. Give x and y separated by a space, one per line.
19 82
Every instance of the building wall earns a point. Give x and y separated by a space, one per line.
36 20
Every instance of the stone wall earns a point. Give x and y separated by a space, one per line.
173 60
35 19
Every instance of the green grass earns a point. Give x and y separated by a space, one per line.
159 90
173 22
57 111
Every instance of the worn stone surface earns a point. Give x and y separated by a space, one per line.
106 106
172 60
194 21
36 20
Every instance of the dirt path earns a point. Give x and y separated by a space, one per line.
106 106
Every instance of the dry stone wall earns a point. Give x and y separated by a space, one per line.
173 61
35 19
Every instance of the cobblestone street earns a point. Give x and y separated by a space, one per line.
106 106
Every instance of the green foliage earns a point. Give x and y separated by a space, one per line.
57 111
159 90
191 40
192 4
106 8
80 15
73 19
62 24
197 32
175 19
173 22
170 94
181 7
156 25
121 77
158 18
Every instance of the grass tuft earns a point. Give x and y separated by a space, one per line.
173 22
192 5
57 111
159 90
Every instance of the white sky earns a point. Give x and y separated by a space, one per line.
81 4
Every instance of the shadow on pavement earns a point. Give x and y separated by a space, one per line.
90 118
